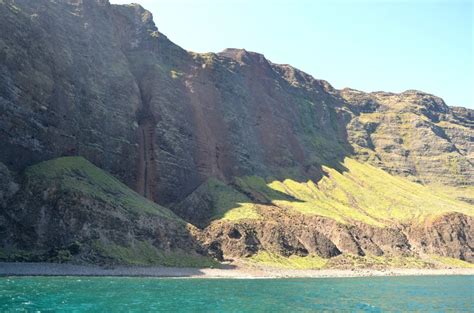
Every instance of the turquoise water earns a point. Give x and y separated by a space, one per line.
105 294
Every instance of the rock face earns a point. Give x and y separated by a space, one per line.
296 234
450 235
413 134
87 78
197 116
60 95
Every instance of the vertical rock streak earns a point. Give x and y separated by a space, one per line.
146 172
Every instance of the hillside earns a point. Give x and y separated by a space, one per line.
362 211
68 210
224 154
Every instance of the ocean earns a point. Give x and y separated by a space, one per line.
120 294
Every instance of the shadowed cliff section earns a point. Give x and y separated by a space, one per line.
146 148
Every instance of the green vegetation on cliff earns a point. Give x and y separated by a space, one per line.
79 175
361 193
216 200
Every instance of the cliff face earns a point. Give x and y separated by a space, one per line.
414 135
98 80
190 131
57 89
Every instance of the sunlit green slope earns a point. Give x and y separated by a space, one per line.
361 193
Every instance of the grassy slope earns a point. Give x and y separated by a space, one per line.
78 174
228 203
362 193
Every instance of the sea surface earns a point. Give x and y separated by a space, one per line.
107 294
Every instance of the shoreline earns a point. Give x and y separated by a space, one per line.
56 269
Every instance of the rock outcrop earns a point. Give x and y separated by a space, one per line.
450 236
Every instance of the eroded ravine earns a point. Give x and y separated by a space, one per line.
146 171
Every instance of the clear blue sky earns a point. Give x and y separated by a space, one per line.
366 45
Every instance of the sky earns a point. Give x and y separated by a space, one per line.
370 45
